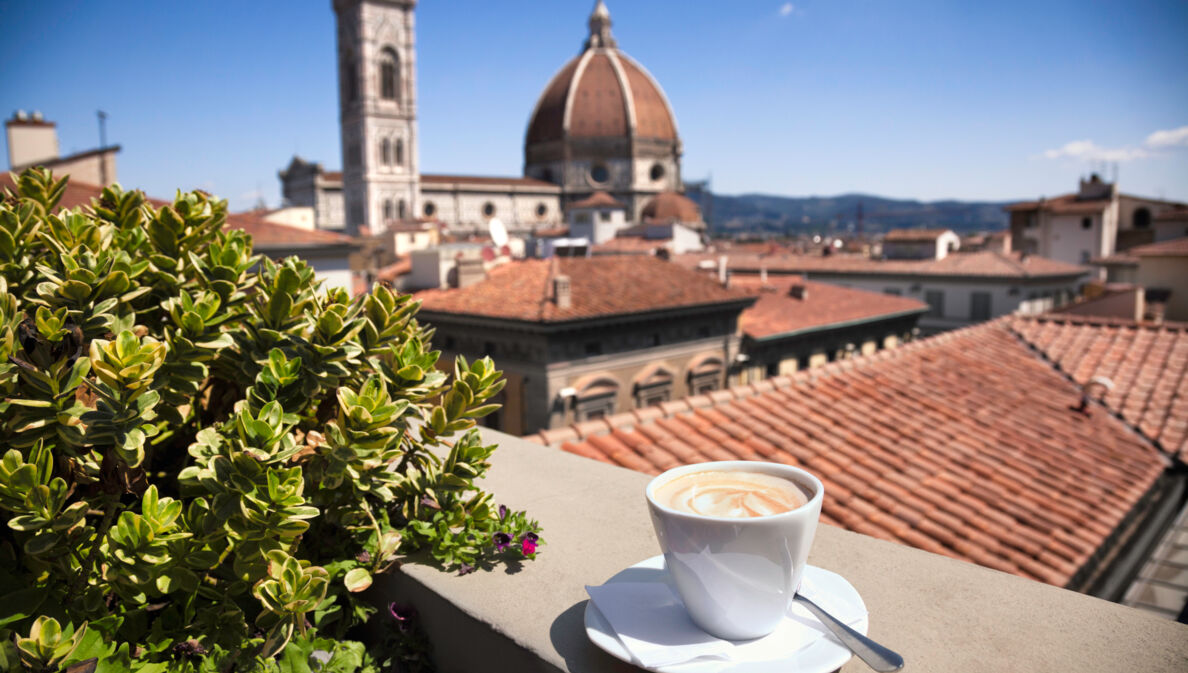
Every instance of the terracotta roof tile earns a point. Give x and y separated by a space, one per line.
1148 365
599 286
598 199
1177 247
914 235
963 444
821 305
432 179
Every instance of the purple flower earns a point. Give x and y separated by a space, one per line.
502 512
502 540
465 569
401 616
528 544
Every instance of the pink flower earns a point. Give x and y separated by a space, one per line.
528 544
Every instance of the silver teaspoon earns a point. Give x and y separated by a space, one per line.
875 655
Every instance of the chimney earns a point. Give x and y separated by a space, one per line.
1155 303
798 291
31 139
562 294
763 274
469 271
722 269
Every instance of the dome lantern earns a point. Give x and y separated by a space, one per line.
600 27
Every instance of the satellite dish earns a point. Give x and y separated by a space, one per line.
498 232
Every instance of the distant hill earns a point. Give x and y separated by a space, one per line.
761 213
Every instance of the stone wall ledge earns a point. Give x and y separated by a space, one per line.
942 615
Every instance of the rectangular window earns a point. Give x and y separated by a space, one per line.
604 215
892 290
979 306
593 348
773 369
936 302
489 348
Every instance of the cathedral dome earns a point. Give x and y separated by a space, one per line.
601 93
604 124
671 207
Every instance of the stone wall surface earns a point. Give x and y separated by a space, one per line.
942 615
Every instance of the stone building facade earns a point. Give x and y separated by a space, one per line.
306 184
584 338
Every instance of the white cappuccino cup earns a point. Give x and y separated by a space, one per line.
736 574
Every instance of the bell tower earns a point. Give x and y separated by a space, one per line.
377 96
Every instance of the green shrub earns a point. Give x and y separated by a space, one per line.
207 455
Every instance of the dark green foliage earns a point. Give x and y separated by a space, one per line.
205 455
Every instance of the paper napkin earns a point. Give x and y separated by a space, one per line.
651 622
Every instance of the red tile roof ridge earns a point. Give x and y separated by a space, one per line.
1074 319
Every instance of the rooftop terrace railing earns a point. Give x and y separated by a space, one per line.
941 614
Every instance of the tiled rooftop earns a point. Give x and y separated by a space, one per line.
777 312
965 444
600 287
984 263
1148 365
914 235
1177 247
1065 204
439 179
629 245
598 199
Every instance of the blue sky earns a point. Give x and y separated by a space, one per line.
970 100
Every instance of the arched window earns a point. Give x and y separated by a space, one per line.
387 209
596 395
389 68
401 209
1142 218
653 385
705 374
399 152
350 79
386 152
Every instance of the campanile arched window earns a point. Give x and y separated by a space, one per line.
386 152
399 152
389 71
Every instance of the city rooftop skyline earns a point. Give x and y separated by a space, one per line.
928 101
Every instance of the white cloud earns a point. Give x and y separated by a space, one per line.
1168 138
788 9
1087 150
1090 151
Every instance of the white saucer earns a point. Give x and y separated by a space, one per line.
822 656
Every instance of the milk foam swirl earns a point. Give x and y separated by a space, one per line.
730 494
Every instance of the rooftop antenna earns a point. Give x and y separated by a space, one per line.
498 232
102 144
